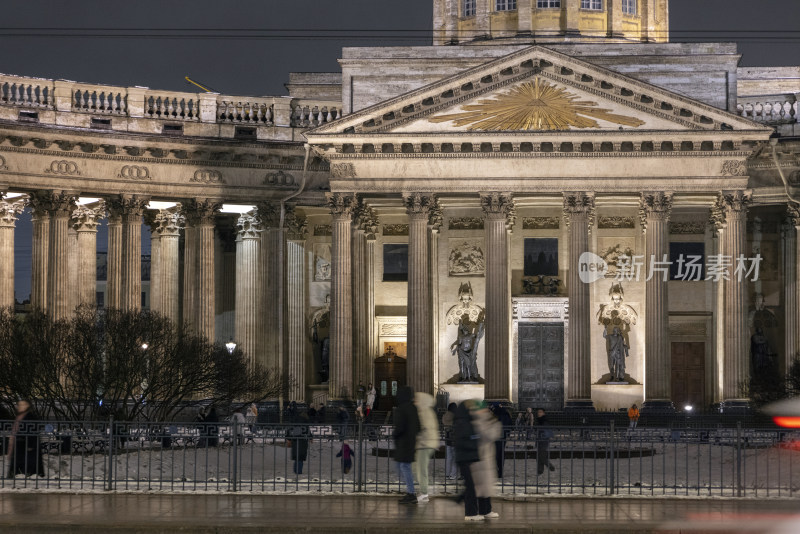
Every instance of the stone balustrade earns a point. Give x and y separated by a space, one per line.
63 96
771 109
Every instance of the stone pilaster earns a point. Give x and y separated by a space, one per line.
341 333
114 255
419 364
451 24
434 226
655 209
9 211
579 216
271 271
717 224
791 286
736 371
58 282
168 228
131 295
296 300
200 215
483 10
248 283
85 220
40 256
371 228
498 209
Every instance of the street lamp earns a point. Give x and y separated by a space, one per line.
231 346
144 346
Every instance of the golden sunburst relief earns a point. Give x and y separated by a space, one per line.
534 106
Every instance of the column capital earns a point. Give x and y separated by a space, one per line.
249 225
46 202
793 214
497 205
200 211
169 222
86 218
369 222
10 210
578 204
436 217
296 225
270 213
418 205
735 203
654 205
126 205
341 204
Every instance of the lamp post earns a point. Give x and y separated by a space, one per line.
231 346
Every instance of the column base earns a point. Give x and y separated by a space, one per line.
579 406
657 407
735 407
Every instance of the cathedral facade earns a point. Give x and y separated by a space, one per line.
552 205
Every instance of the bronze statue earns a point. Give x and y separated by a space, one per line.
466 347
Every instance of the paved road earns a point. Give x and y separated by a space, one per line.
243 513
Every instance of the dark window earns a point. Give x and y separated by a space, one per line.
395 262
629 7
469 8
548 3
101 124
686 261
101 299
592 4
541 256
505 5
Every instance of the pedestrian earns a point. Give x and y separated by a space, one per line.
24 453
504 418
237 426
298 435
344 418
406 428
427 441
346 454
212 427
291 411
200 419
450 466
252 416
530 420
544 435
474 432
321 413
633 416
371 395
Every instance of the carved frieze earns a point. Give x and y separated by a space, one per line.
734 167
465 223
466 258
323 230
279 179
393 329
395 229
541 223
615 222
207 176
3 166
63 167
540 314
687 227
134 172
343 170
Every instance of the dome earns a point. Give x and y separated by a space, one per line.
485 21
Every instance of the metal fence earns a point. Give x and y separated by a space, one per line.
586 460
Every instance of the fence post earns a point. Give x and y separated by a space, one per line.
234 459
110 470
738 458
359 458
612 482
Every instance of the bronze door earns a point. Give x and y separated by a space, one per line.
688 374
390 375
541 365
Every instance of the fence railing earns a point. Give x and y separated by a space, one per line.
586 460
772 109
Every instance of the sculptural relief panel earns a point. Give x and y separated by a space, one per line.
466 257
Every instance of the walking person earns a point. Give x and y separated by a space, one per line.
237 417
299 434
633 416
24 452
543 437
371 396
504 418
427 441
251 417
346 454
450 465
474 433
406 428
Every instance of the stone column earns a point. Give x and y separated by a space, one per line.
296 300
614 9
58 283
717 223
271 243
579 216
114 254
85 220
226 280
371 228
9 211
40 254
434 225
524 18
572 27
791 285
72 261
169 224
498 209
155 259
131 295
655 210
737 334
359 287
199 215
419 364
341 330
248 282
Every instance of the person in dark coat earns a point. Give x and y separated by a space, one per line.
504 417
451 468
24 453
467 444
212 427
298 433
406 428
543 435
344 419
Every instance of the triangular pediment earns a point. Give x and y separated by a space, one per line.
536 90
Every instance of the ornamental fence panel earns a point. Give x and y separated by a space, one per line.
713 461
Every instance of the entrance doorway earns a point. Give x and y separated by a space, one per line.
688 374
390 375
541 365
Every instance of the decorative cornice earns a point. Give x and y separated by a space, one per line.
656 205
533 154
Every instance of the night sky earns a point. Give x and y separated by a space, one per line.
248 47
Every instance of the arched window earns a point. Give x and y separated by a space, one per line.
592 4
629 7
505 5
469 8
548 3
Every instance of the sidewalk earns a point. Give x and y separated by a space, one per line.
162 513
